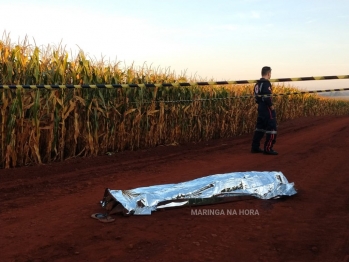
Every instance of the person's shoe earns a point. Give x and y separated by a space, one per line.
256 150
271 152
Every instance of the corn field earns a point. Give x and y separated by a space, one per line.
40 126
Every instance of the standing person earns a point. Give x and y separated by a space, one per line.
266 120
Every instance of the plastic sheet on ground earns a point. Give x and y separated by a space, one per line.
201 191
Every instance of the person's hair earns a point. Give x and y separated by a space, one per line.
265 70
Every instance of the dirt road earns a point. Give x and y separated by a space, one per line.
45 210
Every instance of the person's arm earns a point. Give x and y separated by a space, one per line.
267 91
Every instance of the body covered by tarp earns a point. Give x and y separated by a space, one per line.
200 191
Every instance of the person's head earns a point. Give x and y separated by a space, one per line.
266 72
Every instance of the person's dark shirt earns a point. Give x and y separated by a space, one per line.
263 87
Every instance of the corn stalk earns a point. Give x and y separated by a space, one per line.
41 126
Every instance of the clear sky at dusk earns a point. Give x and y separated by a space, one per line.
220 40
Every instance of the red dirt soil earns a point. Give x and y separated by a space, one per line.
45 210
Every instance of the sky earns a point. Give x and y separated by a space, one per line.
210 40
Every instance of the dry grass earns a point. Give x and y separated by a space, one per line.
40 126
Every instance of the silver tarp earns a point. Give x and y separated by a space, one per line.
201 191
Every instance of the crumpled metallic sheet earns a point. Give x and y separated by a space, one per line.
202 191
